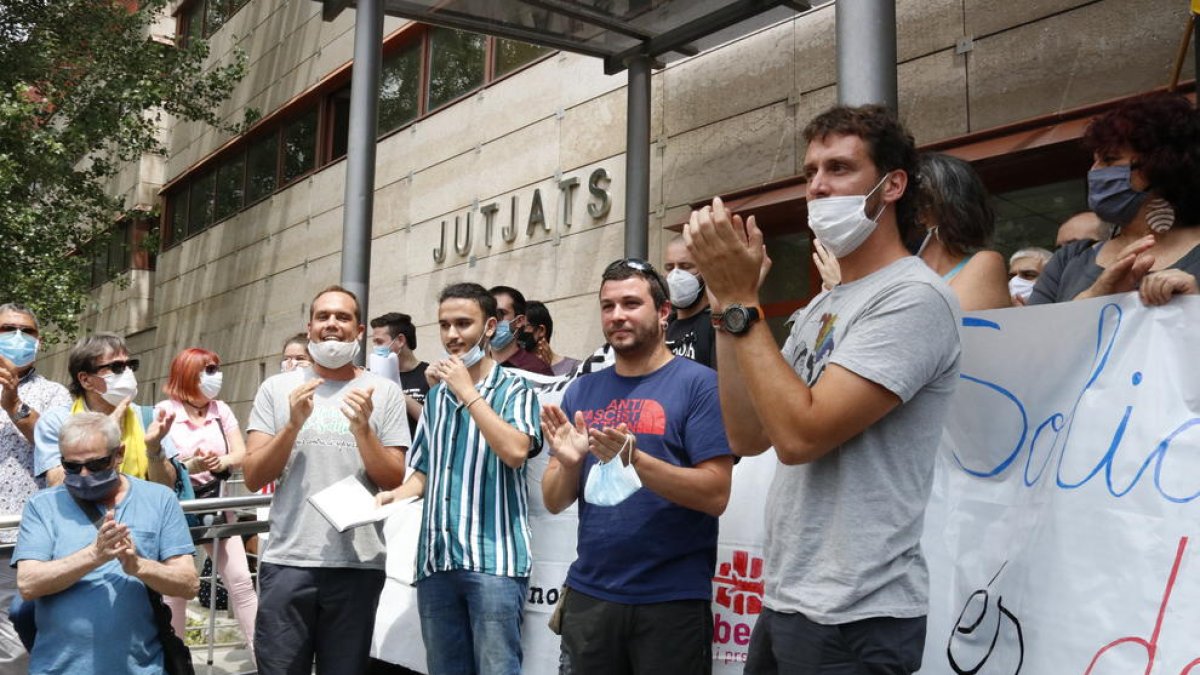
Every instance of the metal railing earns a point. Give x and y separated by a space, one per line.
211 531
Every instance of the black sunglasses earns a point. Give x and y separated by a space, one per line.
639 265
210 369
118 367
92 465
10 327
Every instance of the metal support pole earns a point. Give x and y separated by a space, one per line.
215 548
866 52
637 160
359 204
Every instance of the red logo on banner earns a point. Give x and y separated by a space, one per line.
739 584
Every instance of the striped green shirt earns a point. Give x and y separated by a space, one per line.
476 514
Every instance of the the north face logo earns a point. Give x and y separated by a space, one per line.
739 584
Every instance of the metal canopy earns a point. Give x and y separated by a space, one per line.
617 31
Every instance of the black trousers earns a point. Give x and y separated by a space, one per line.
792 644
307 613
609 638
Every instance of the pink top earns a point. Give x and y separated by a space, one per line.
209 435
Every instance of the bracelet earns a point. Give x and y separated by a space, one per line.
477 399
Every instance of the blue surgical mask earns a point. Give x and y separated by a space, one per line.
612 482
92 487
18 347
381 351
504 335
1111 194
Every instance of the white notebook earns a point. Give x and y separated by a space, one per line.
347 503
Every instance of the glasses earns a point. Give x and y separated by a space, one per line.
638 265
92 465
210 369
290 362
118 367
10 327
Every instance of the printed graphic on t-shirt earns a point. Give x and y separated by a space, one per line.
641 415
417 395
810 363
684 346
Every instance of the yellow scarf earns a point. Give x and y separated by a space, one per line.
133 436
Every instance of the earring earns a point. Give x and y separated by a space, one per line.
1160 215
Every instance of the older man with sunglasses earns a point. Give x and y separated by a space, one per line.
24 393
103 381
90 550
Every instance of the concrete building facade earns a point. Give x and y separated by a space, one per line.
459 182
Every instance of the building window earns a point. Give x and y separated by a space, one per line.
400 88
456 64
422 70
202 18
200 206
510 55
229 189
262 163
114 256
299 147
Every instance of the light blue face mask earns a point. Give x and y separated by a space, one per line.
18 347
381 351
504 335
475 354
612 482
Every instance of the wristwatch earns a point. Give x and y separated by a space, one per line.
737 319
21 412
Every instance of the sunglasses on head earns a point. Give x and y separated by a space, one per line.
210 369
10 327
92 465
118 367
638 265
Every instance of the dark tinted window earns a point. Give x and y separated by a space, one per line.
229 187
456 64
262 159
299 146
511 55
177 212
200 210
340 128
400 87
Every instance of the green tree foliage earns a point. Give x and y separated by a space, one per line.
84 90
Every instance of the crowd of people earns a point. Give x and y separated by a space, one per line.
852 407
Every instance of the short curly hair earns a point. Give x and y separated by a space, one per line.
1163 131
889 144
952 195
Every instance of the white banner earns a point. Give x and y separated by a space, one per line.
1060 535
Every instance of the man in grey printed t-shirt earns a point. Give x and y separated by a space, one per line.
853 406
310 428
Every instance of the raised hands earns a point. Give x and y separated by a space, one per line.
300 401
357 406
729 253
569 441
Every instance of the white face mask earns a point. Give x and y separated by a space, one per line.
612 482
119 387
210 385
841 223
1021 288
333 354
685 288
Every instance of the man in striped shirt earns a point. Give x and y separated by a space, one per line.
480 425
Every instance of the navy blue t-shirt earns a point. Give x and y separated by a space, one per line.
647 549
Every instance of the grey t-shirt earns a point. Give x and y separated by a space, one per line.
843 532
324 453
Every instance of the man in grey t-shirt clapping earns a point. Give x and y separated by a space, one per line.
853 406
310 428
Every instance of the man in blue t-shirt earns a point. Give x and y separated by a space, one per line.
642 447
88 579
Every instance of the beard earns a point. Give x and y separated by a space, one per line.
634 339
